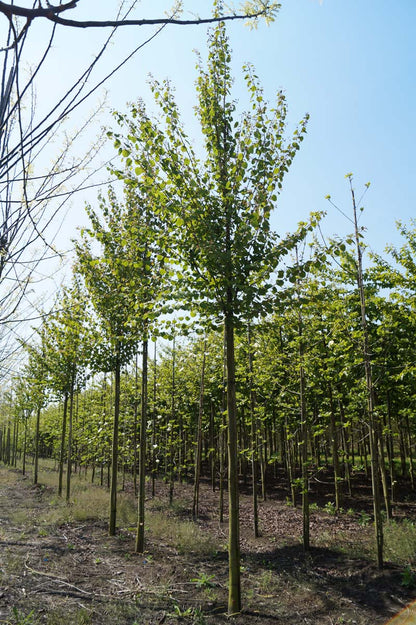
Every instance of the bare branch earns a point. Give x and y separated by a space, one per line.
54 14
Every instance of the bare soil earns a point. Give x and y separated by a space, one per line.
76 574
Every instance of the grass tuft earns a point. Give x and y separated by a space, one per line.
185 536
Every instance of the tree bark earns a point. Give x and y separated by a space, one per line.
234 590
142 452
198 454
114 449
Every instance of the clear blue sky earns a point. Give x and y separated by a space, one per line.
349 63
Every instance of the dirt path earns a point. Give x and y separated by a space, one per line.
74 574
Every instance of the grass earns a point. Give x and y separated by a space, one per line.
185 536
400 542
91 502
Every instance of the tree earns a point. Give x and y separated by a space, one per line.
373 418
65 335
36 376
217 213
110 281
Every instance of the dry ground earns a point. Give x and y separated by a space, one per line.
58 566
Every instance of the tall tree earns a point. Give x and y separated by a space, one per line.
217 212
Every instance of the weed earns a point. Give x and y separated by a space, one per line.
21 619
341 620
364 519
313 507
330 508
203 581
195 614
181 613
210 594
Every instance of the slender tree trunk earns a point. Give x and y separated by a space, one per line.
70 421
410 453
136 403
212 455
142 454
154 422
304 456
335 450
198 454
15 440
173 419
62 448
223 431
36 467
290 464
114 449
383 474
24 446
8 447
262 457
390 451
234 591
254 442
222 467
372 424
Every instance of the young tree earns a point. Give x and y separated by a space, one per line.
125 284
373 418
36 376
65 335
110 280
217 213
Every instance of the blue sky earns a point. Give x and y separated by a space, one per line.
349 63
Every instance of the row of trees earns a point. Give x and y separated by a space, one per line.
294 358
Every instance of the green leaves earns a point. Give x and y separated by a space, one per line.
215 213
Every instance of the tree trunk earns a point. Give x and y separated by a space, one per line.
234 590
372 417
154 422
142 452
195 504
24 446
335 451
136 403
36 467
114 449
62 449
254 442
70 420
